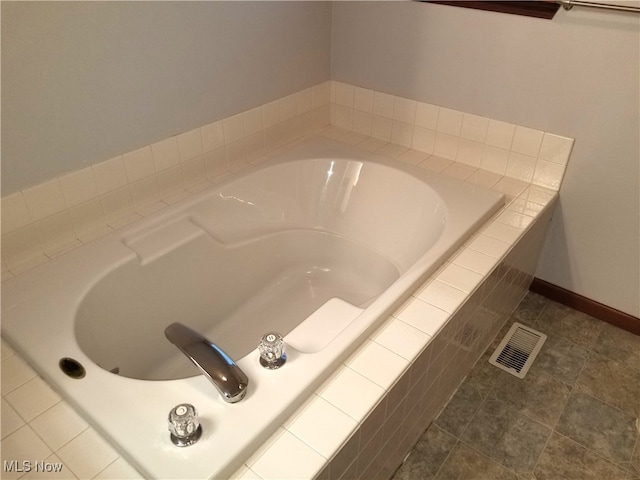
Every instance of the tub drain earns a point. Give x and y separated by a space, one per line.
72 368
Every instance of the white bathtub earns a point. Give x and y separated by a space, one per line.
320 244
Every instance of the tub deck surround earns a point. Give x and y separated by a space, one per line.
322 230
495 265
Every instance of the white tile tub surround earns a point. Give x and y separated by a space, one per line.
375 406
514 151
43 221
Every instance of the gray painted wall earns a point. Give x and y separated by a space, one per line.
576 76
85 81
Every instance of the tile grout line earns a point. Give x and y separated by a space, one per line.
444 462
553 429
575 389
491 395
599 455
459 437
626 466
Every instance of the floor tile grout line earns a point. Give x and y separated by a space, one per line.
608 405
487 384
552 431
472 416
496 397
590 351
491 394
577 385
493 460
444 462
576 389
592 344
599 455
546 443
513 407
460 439
564 406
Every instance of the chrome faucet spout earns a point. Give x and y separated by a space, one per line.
214 363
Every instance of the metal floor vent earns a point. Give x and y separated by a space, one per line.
518 350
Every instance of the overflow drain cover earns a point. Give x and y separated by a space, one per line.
518 350
71 367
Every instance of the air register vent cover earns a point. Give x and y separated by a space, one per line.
518 350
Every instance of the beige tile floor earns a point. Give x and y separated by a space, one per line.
572 417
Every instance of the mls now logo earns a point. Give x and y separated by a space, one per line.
10 466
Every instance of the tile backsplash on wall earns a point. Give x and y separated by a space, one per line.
45 220
515 151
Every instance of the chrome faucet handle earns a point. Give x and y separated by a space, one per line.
184 425
272 351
